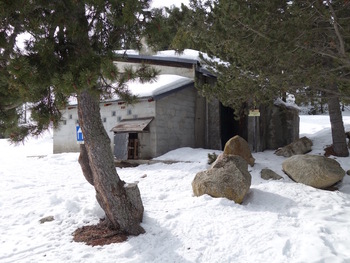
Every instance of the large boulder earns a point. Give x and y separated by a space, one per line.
228 177
313 170
300 146
238 146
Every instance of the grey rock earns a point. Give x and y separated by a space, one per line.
268 174
300 146
228 177
46 219
313 170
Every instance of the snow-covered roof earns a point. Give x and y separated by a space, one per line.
162 84
190 54
159 87
288 104
186 54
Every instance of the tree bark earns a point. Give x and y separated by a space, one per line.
85 164
121 202
338 132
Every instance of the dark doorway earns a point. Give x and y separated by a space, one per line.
133 146
229 126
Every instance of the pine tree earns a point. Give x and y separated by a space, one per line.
9 98
70 52
270 48
323 45
164 24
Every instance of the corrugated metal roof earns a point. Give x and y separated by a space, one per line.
132 125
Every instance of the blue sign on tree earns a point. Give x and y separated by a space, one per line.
79 133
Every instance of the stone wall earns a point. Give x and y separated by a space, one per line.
277 126
282 126
64 138
213 122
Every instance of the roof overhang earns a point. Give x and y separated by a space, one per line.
159 60
132 125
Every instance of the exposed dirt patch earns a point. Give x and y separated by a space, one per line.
328 151
98 235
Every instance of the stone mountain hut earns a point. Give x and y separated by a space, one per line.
170 113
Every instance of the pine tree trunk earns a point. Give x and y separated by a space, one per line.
121 202
85 164
338 132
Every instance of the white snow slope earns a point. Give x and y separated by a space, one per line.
279 221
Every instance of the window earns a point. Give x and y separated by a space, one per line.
114 113
119 118
104 119
70 116
129 111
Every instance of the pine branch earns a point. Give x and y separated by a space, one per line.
319 52
11 106
336 29
253 30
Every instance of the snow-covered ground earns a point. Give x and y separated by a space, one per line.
279 221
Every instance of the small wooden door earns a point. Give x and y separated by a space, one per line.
121 146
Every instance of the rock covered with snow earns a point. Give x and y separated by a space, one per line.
238 146
300 146
228 177
313 170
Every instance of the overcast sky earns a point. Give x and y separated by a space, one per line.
161 3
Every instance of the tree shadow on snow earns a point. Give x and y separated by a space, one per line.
259 200
158 244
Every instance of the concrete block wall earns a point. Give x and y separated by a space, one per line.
175 121
111 114
146 148
64 138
